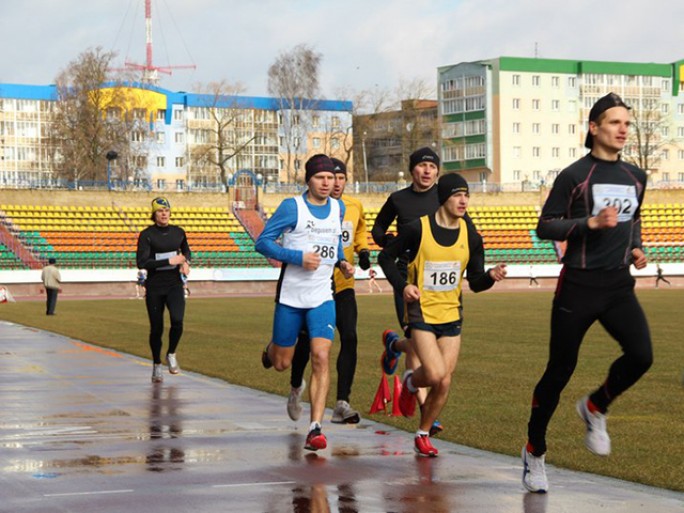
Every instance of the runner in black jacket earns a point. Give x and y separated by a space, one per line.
164 252
594 205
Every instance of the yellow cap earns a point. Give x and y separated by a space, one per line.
159 203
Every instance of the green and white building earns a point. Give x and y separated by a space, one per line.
513 123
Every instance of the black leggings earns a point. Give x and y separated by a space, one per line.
174 300
347 314
583 297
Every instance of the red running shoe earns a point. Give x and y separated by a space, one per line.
315 440
423 446
407 399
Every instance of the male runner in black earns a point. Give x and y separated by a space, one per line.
164 253
594 205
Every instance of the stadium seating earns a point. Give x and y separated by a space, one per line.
106 237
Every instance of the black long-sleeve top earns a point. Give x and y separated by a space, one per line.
407 244
156 244
579 192
404 205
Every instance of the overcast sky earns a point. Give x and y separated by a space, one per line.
364 43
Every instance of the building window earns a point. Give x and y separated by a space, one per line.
316 142
516 152
572 153
137 136
335 121
178 115
516 103
555 81
555 105
572 129
572 81
680 131
680 177
536 151
315 121
555 128
536 80
665 131
180 161
680 107
536 175
161 183
516 175
536 104
334 143
297 164
516 128
180 184
161 161
516 80
680 154
161 114
555 152
666 177
666 156
161 137
664 108
178 137
536 128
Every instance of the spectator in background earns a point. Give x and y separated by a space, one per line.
372 275
140 284
52 281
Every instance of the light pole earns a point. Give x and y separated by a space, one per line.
365 159
111 155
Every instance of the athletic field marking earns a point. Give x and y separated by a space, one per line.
101 492
258 483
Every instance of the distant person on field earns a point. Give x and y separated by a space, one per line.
164 253
354 240
533 277
52 281
594 205
372 282
660 277
310 228
140 284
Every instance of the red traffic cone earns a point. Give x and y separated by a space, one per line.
396 411
382 396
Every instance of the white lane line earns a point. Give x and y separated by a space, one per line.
101 492
261 483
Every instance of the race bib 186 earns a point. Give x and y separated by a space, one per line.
441 276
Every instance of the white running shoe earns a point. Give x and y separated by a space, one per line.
596 438
173 363
345 414
534 472
157 373
294 402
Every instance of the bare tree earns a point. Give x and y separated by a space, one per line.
293 79
89 119
647 140
221 131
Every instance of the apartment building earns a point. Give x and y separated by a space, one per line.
516 122
177 138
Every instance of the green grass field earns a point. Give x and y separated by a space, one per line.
503 355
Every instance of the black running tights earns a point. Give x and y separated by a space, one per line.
174 300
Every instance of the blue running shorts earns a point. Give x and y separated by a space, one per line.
288 322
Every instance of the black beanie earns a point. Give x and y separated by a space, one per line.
422 155
451 184
318 163
340 167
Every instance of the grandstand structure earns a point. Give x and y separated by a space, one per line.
105 237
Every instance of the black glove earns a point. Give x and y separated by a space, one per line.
364 260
